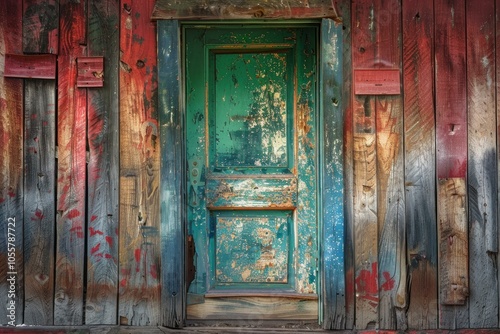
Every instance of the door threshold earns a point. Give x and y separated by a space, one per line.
260 293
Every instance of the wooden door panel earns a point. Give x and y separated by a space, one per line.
251 157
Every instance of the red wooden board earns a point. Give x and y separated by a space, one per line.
139 280
377 82
90 72
34 67
71 194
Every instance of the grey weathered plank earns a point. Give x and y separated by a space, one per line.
39 201
71 169
102 119
420 162
40 26
172 167
332 169
11 169
482 164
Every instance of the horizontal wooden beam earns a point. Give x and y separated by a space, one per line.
242 9
30 66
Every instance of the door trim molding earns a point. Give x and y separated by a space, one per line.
330 177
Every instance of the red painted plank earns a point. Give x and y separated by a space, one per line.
34 67
41 26
71 194
90 72
482 163
451 144
420 162
139 282
102 119
377 82
11 165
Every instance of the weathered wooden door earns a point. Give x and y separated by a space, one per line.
251 171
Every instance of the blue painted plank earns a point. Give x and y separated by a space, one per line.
171 183
332 194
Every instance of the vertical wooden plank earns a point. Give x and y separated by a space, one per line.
420 162
390 174
11 166
102 123
172 177
497 95
41 26
39 201
451 142
71 178
332 234
365 170
344 8
482 165
139 282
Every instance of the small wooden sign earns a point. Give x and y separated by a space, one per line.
30 66
377 82
90 72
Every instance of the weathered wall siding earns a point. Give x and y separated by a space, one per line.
39 200
11 162
102 122
71 171
139 281
419 151
451 132
41 26
482 164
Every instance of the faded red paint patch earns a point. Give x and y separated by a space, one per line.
94 232
95 248
137 255
38 215
389 282
109 240
153 271
73 213
108 256
78 230
93 218
11 193
367 285
123 283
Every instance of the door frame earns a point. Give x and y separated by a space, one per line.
330 180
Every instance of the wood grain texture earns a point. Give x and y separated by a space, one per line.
11 162
365 176
332 235
39 201
139 258
103 167
497 91
33 66
41 26
390 174
451 143
71 177
420 150
344 9
241 9
172 183
482 164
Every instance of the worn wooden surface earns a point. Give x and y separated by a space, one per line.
451 144
103 165
418 78
71 171
139 258
482 168
39 204
41 26
11 165
240 9
332 169
32 66
172 205
365 177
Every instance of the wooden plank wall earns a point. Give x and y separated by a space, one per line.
80 168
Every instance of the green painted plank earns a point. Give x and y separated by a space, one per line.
332 197
172 177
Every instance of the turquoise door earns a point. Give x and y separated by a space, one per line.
251 154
